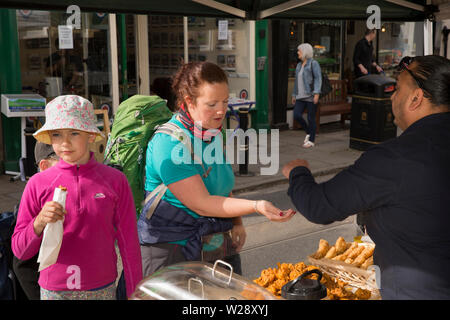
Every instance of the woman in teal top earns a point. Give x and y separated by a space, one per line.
200 189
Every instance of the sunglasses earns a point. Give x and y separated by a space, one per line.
404 65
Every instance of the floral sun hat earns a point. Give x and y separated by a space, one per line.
68 112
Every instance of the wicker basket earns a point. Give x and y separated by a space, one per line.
354 276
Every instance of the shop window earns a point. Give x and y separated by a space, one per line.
228 48
325 38
166 53
397 40
53 63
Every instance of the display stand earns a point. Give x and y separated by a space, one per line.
235 104
22 106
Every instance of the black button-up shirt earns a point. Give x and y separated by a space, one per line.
363 54
404 184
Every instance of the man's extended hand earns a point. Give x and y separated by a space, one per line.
363 70
292 164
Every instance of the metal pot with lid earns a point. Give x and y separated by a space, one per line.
303 288
199 281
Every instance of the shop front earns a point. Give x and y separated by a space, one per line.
106 60
225 42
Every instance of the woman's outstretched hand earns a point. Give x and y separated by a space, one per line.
272 213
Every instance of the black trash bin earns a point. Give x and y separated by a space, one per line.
372 120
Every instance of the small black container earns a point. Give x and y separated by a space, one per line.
304 289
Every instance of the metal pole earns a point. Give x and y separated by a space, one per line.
186 38
113 62
243 124
123 49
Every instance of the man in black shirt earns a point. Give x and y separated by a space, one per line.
363 55
403 184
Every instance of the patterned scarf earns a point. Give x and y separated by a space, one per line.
204 134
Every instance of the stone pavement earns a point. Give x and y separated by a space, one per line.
330 155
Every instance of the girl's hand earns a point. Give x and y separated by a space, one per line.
238 236
50 213
272 213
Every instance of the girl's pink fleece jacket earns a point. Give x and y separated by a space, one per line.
100 209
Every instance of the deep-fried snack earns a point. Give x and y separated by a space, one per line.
336 289
340 245
340 257
343 256
295 274
342 293
362 294
283 271
331 253
267 277
363 256
273 290
300 266
367 263
349 260
355 252
324 246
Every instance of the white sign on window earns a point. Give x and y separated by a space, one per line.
65 37
223 30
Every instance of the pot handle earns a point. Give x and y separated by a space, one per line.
201 285
226 264
307 273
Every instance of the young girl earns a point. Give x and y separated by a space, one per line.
99 209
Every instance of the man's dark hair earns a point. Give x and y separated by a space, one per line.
369 31
435 73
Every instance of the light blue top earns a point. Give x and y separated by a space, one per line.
169 161
301 94
312 78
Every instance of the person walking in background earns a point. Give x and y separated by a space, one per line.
308 81
363 60
99 209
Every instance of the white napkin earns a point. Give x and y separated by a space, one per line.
53 234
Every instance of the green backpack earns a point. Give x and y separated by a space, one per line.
132 129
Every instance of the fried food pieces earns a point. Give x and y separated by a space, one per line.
352 253
324 246
273 279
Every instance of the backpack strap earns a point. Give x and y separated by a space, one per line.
177 133
159 191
